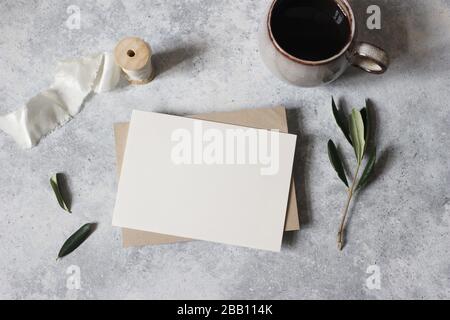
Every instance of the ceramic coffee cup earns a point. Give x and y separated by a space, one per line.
311 73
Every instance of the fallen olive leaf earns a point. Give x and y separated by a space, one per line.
76 239
56 183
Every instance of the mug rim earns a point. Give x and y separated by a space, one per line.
347 11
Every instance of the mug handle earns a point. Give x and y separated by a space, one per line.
369 58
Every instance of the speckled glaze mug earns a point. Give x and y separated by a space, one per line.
312 73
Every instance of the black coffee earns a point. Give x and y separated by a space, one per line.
310 30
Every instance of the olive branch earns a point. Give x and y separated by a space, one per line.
357 130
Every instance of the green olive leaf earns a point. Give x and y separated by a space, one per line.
341 120
336 161
56 182
368 170
76 239
366 116
357 134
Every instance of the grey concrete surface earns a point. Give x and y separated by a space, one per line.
207 54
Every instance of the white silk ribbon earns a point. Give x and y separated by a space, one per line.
74 80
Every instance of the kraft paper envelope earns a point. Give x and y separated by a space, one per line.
174 183
264 118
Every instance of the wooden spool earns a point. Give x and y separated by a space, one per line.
134 55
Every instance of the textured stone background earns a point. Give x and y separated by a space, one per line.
208 59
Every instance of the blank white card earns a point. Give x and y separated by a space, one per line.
205 180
